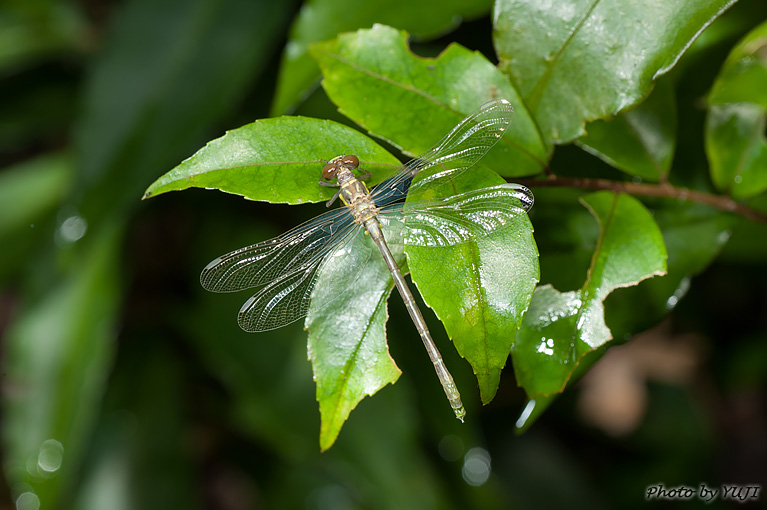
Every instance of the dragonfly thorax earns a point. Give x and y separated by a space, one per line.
355 195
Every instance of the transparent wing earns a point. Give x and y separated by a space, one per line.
461 148
280 303
287 299
458 219
293 252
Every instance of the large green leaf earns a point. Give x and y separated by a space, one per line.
347 340
694 235
560 328
271 394
319 20
581 60
275 160
639 141
413 102
736 143
480 289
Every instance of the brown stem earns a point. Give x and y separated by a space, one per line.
663 190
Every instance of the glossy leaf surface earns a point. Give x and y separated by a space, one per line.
347 340
744 71
560 328
736 143
582 60
412 101
480 289
694 236
320 20
276 160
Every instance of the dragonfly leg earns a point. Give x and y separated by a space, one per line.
333 198
364 175
331 185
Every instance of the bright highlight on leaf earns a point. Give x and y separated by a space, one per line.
275 160
560 328
411 101
582 60
323 269
90 122
320 20
347 341
579 63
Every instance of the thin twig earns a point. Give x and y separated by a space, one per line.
663 190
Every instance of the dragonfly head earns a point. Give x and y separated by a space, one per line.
351 162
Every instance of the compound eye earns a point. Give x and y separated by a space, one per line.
329 171
351 161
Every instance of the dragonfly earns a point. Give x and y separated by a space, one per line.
286 268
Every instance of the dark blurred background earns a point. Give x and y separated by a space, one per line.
152 397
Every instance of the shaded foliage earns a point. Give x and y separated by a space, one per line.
125 385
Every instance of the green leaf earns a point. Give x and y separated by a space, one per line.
744 73
537 405
584 60
560 328
566 235
480 289
412 102
639 141
737 148
58 354
320 20
735 126
694 235
347 340
275 160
